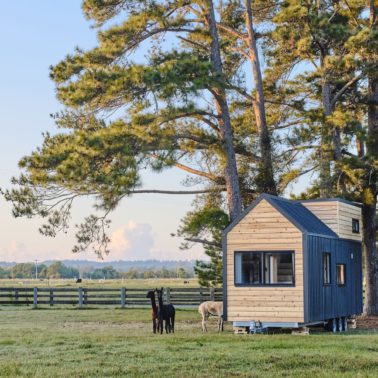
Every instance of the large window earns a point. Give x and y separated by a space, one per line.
264 268
341 274
326 268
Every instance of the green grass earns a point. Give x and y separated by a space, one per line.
136 283
115 342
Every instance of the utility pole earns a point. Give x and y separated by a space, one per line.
36 269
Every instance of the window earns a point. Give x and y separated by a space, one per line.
326 268
264 268
355 226
340 274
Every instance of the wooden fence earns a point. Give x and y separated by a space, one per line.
122 297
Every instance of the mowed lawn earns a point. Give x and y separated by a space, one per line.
113 342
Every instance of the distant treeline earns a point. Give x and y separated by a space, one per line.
59 270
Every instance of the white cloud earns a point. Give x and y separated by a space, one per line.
13 251
133 241
136 241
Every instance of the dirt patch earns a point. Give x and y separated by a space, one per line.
367 322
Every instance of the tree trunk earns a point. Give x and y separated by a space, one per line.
370 197
325 144
266 182
231 173
371 258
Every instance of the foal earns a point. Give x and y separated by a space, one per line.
166 312
211 308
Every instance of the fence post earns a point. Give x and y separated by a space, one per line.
123 297
168 294
51 297
85 296
16 295
212 294
201 294
80 297
35 297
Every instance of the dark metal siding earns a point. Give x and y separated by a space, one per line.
331 301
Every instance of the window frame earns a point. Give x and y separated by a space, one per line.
355 222
345 274
329 268
262 272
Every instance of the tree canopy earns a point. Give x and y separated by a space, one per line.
245 97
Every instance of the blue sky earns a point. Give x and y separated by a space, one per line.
33 36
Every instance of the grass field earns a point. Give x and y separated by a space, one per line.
136 283
115 342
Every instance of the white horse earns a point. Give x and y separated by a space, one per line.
211 308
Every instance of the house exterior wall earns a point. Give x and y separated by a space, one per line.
337 215
326 211
323 302
264 229
346 213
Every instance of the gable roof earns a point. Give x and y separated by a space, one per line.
294 211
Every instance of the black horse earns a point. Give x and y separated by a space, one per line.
166 312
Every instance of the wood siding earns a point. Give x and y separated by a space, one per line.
326 211
346 214
265 229
338 216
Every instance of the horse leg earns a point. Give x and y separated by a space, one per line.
154 325
173 323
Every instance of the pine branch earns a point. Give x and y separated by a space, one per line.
204 241
344 88
179 192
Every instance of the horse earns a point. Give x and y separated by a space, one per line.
211 308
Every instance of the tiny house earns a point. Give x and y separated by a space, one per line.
293 263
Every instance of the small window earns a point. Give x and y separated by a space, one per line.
264 268
355 226
341 274
326 268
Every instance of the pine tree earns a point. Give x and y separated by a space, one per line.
315 34
185 106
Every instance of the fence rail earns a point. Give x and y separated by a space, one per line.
122 297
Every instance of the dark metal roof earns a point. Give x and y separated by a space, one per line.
295 212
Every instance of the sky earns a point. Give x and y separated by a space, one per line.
33 36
